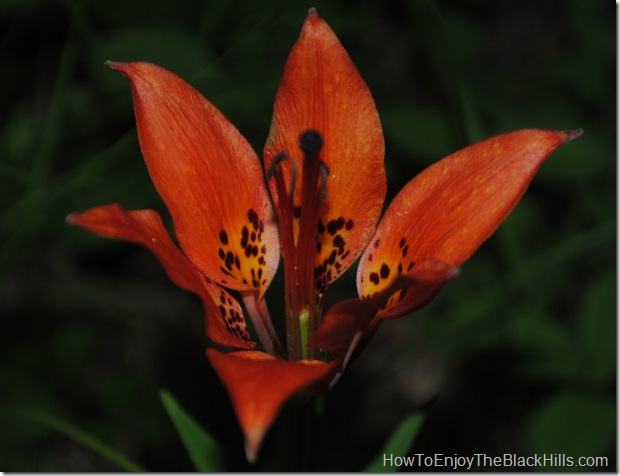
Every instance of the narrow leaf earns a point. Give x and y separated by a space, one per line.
398 444
201 447
82 437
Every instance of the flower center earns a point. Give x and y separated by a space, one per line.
299 208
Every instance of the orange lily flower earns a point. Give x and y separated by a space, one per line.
316 203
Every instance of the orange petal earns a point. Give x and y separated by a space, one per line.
259 384
224 318
348 322
209 177
342 322
452 207
426 279
322 90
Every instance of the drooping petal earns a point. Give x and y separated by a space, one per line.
451 208
225 322
321 90
259 384
348 324
209 177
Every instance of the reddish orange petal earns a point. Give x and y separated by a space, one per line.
342 322
209 177
322 90
452 207
224 318
347 323
259 384
427 278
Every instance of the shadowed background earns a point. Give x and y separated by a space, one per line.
517 355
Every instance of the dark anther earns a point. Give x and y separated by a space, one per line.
280 157
310 142
324 176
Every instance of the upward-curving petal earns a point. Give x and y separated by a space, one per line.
321 90
224 319
209 177
450 209
259 384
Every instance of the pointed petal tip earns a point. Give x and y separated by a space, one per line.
70 218
112 64
570 135
312 19
121 67
253 442
128 67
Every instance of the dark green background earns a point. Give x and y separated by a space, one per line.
517 355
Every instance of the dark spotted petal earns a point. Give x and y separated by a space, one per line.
224 318
322 91
450 209
209 177
347 325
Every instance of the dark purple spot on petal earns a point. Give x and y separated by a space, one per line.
338 241
244 236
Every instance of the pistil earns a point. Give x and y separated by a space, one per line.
313 193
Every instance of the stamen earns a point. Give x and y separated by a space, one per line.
324 171
280 157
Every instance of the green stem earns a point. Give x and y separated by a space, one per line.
304 322
82 437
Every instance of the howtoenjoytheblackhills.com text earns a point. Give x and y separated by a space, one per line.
481 460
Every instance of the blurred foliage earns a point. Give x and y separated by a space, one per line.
203 450
399 443
516 355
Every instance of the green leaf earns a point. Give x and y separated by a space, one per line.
398 444
201 447
82 437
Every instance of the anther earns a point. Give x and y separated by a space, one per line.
279 158
324 170
310 142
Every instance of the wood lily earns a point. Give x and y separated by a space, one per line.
316 203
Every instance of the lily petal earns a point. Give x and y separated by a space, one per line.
321 90
348 325
224 318
209 177
451 208
270 383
